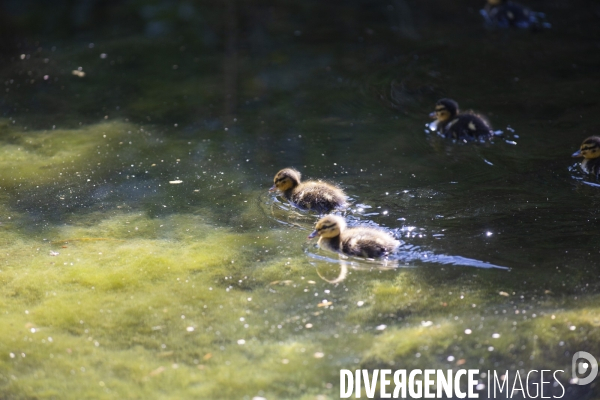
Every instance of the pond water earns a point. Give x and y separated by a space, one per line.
143 257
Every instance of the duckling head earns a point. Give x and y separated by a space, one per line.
287 178
590 148
329 226
445 110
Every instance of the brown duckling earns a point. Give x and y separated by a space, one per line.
466 126
311 195
590 151
359 241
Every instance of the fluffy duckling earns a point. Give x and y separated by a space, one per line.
460 126
359 241
311 195
505 14
590 151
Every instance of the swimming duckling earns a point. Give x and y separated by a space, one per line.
590 151
460 126
505 14
312 195
359 241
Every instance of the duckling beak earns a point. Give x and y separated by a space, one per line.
313 234
577 154
273 188
432 115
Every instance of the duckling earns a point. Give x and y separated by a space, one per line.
590 151
312 195
505 14
359 241
466 126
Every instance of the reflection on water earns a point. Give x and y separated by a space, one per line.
285 212
117 283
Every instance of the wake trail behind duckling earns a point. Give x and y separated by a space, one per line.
405 257
430 257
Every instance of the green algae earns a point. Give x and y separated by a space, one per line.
116 283
38 158
523 345
89 298
157 311
130 304
133 305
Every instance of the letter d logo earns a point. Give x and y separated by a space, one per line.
581 368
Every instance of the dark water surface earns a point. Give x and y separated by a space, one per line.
143 258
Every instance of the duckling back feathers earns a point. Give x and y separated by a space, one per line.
468 126
311 195
367 242
460 126
318 196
